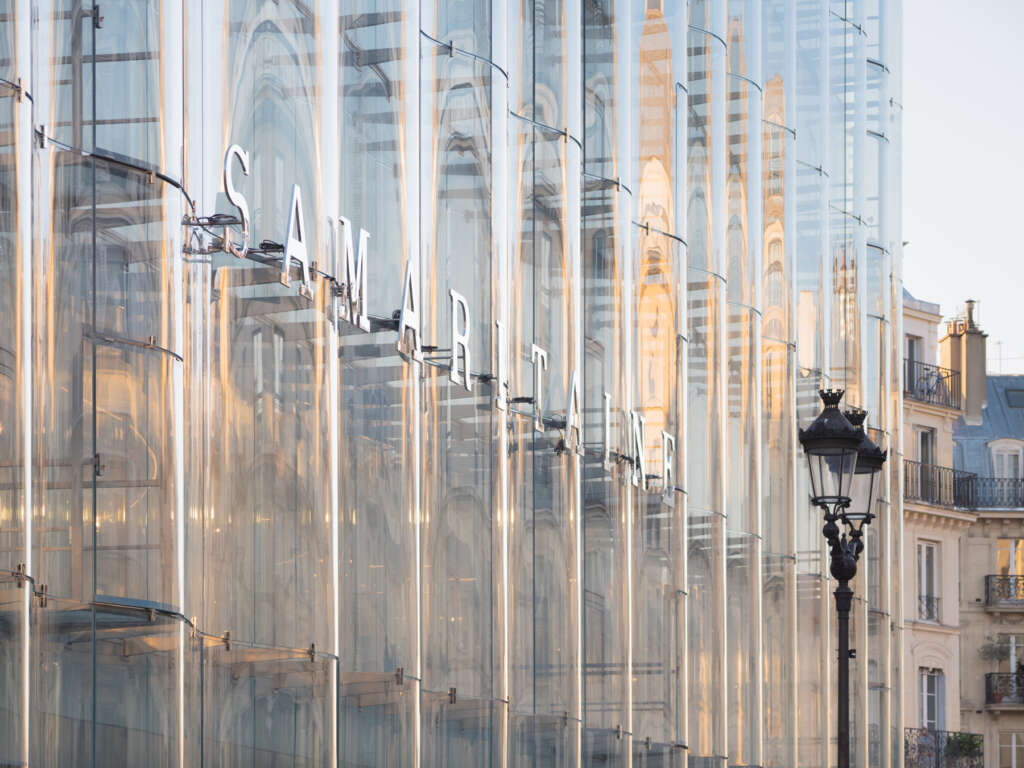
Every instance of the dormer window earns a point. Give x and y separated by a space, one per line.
1007 458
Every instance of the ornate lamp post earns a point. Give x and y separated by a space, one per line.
844 463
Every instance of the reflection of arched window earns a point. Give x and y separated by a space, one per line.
775 279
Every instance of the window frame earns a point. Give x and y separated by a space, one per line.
936 696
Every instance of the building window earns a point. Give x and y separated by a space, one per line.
1011 749
1011 659
933 695
927 580
1006 461
927 476
926 445
1010 558
915 349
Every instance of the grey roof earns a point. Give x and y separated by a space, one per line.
920 304
999 420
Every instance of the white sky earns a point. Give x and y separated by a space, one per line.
963 164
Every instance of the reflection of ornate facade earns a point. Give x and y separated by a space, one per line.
238 529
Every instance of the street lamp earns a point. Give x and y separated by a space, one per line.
844 463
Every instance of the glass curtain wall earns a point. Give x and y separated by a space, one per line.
416 382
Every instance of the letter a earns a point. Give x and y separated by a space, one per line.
409 319
295 243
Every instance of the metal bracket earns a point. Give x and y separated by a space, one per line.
618 731
20 574
97 466
41 594
312 652
21 90
97 20
451 696
400 676
226 639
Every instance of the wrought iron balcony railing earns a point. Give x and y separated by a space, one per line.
1004 590
942 486
1004 688
999 492
927 748
931 384
928 608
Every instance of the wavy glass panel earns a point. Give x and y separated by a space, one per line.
605 624
602 70
378 74
14 617
461 532
10 67
131 75
543 631
267 531
12 354
268 106
108 686
658 521
93 401
265 706
467 23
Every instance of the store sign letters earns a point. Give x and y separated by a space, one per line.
348 265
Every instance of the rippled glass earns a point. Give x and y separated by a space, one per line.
376 145
9 64
13 355
543 645
14 608
658 522
605 412
461 532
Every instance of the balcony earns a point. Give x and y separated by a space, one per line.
999 493
1004 690
1005 593
941 486
925 748
928 608
931 384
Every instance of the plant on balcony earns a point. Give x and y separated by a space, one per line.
964 745
997 649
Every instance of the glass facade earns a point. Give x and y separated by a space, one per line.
416 382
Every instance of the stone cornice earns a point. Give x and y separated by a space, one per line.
946 518
911 405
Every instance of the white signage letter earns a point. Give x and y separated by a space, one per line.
540 362
638 425
409 319
460 341
353 305
573 417
668 469
238 200
295 243
501 392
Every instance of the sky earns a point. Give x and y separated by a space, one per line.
963 164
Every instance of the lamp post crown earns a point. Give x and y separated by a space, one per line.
870 457
831 429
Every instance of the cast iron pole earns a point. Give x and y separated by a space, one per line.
844 599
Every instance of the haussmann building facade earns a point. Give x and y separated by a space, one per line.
416 382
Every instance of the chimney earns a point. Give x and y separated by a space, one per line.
962 350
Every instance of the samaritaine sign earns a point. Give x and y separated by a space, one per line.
348 269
